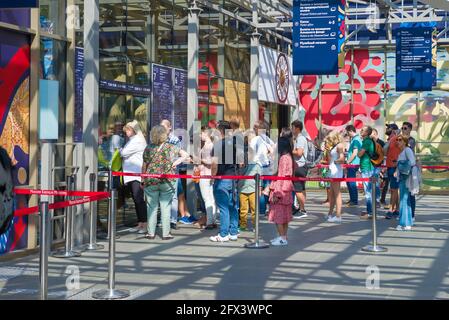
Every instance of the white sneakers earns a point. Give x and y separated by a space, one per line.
219 238
279 242
334 219
401 228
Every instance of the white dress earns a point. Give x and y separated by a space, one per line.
335 169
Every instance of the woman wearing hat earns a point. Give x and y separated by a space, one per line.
132 154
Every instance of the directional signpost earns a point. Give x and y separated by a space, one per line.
315 37
414 59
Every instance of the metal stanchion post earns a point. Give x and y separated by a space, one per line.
110 188
68 252
111 293
374 247
44 248
257 244
92 245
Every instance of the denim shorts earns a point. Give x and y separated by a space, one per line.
394 184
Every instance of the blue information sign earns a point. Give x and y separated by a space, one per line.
180 97
414 59
79 82
19 3
126 88
162 107
315 37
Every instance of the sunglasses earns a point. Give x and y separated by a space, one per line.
399 140
405 128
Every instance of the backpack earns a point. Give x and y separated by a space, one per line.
314 154
377 158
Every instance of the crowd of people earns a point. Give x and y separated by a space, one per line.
228 204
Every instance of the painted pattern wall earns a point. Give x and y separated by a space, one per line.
14 125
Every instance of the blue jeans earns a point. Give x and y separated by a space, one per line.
367 187
352 186
226 201
412 201
377 174
405 210
263 200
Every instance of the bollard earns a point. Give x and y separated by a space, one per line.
44 248
257 244
111 293
68 251
93 245
374 247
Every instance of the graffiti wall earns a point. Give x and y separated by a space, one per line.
330 96
14 129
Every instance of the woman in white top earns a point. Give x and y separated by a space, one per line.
335 152
206 186
406 161
132 155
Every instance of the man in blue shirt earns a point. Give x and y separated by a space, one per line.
352 158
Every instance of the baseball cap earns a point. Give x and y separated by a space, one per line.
392 126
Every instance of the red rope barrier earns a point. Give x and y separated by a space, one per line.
189 176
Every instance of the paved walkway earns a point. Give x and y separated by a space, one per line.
322 261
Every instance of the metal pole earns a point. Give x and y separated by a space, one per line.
68 251
92 245
111 292
44 248
110 188
257 244
374 247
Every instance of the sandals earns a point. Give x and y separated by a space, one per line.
169 237
149 236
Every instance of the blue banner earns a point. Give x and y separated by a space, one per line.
414 59
19 3
315 37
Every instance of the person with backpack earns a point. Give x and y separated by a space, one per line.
300 151
367 167
224 163
352 159
379 144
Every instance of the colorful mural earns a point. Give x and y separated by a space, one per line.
366 75
14 125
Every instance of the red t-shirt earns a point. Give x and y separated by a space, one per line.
393 153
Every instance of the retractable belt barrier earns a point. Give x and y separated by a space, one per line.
88 196
45 222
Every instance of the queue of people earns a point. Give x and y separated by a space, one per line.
228 203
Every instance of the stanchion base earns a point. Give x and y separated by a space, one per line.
66 254
257 245
110 294
371 248
93 246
